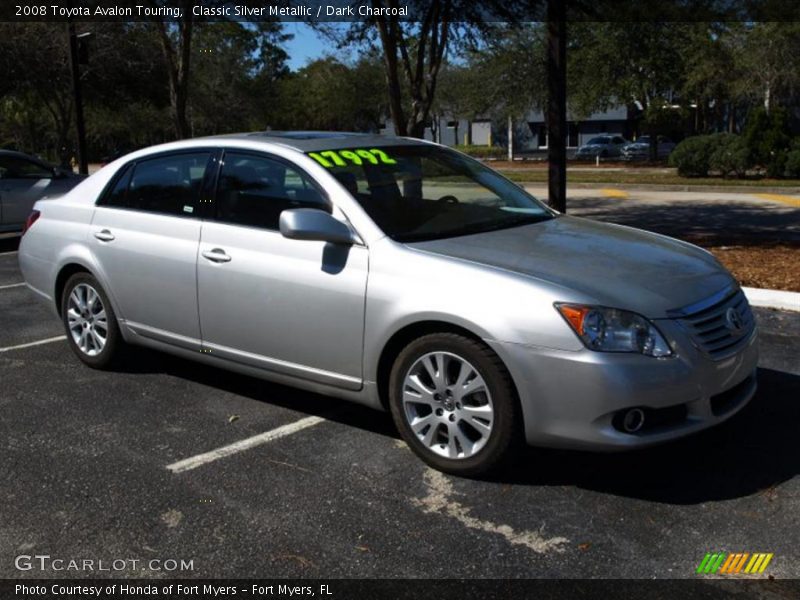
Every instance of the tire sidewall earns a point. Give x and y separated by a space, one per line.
106 357
498 382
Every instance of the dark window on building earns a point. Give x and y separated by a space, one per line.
572 134
168 184
255 190
541 136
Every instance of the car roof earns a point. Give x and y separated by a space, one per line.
15 154
316 141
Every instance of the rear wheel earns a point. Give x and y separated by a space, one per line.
90 322
454 403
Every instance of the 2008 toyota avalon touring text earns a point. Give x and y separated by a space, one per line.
402 275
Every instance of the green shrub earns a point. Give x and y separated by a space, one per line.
692 156
483 151
792 168
767 137
729 155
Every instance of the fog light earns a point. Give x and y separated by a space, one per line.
633 420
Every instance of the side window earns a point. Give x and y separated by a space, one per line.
254 190
168 184
117 196
17 168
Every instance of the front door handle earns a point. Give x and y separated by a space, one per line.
104 236
216 255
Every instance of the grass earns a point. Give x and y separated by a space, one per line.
628 177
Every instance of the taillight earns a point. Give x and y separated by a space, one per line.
32 218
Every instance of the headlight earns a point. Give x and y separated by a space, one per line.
612 330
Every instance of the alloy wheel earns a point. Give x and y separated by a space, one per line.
86 319
447 405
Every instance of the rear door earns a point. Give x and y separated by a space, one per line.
145 234
288 306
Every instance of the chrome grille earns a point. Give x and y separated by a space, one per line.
721 329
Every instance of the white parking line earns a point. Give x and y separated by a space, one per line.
193 462
13 285
37 343
8 253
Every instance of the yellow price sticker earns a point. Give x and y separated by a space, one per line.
357 156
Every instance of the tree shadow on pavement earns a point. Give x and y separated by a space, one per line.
751 453
709 224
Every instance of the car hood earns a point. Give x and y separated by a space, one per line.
609 264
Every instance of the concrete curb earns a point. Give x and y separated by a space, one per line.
659 187
777 299
714 189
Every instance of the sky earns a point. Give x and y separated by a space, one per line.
306 45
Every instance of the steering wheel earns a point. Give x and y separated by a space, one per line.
449 199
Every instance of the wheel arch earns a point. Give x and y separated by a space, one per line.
411 331
66 271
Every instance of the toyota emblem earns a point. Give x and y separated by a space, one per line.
733 320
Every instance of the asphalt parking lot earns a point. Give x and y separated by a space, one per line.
85 457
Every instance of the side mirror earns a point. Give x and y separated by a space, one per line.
314 225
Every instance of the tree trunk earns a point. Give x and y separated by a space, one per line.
177 56
510 139
391 73
731 117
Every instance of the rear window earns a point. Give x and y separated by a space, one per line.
167 184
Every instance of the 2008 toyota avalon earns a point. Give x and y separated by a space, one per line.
402 275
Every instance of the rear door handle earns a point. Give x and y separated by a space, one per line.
216 255
104 236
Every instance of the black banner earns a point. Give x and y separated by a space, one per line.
400 589
311 11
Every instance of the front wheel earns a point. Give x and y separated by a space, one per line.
90 322
454 403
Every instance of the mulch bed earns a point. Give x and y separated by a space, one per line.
772 267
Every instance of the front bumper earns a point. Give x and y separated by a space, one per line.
575 399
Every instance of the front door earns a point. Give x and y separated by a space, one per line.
288 306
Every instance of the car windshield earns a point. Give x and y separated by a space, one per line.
598 141
421 192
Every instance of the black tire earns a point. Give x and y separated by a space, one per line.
112 350
506 424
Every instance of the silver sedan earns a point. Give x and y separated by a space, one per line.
24 180
401 275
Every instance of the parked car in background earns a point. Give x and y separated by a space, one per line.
640 149
402 275
25 179
604 146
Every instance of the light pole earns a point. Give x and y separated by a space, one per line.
80 125
557 104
